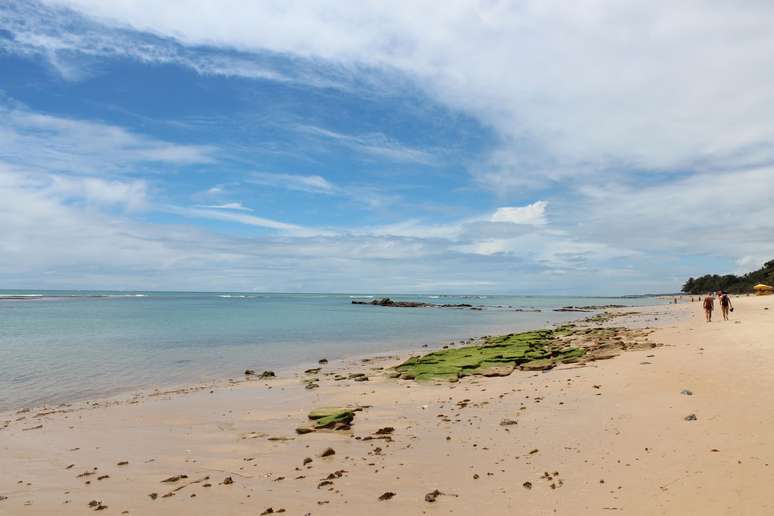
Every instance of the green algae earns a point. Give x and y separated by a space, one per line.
331 416
496 356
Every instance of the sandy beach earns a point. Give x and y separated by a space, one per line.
679 428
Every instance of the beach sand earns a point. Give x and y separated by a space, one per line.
606 437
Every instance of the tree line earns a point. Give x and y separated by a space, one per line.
730 282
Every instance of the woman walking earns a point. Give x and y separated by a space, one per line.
725 305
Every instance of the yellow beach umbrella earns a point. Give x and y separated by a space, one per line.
762 289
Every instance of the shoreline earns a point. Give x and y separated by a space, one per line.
609 435
128 395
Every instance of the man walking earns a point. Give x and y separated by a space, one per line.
709 305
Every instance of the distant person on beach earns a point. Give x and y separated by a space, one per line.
709 305
725 305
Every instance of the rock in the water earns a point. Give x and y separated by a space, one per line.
322 361
267 374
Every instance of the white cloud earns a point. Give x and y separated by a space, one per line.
534 214
129 194
570 88
51 143
227 206
586 96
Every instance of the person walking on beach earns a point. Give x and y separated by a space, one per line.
709 305
725 305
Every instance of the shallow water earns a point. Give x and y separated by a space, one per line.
66 346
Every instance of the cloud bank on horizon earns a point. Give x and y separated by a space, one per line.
531 147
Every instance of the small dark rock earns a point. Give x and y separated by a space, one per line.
328 452
174 478
691 417
432 495
386 496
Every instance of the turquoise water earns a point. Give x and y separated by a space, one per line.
67 346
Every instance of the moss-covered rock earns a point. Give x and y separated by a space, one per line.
330 417
496 356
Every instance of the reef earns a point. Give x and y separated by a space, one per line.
528 351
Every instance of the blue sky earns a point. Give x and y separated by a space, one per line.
527 147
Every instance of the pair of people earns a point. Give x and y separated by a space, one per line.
723 300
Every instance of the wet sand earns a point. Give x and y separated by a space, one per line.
608 436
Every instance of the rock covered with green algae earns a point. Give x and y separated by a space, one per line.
497 356
332 418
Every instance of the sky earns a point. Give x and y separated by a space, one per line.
523 147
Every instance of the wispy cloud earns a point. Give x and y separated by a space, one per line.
216 213
312 184
375 144
575 118
53 143
226 206
68 41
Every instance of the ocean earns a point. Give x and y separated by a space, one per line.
66 346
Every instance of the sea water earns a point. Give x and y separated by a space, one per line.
72 345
